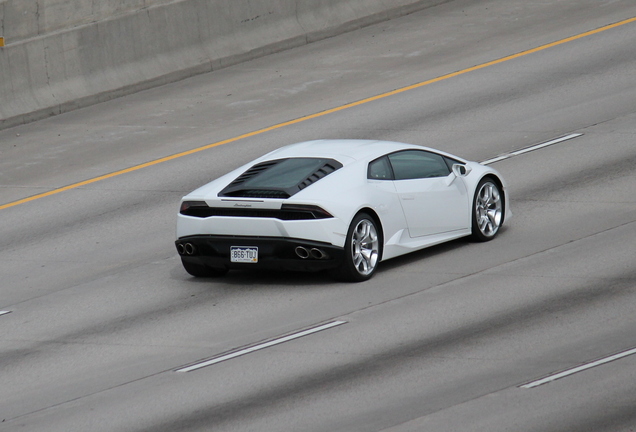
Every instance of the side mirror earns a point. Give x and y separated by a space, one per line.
461 170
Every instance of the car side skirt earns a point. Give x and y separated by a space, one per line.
401 243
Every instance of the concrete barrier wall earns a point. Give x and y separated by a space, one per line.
43 73
23 19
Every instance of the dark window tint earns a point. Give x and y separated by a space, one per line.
380 169
285 174
414 164
280 178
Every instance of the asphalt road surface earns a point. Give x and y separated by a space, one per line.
534 331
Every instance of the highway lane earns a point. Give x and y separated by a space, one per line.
270 91
440 340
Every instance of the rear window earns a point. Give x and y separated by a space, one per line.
280 178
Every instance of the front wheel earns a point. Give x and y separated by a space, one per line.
362 250
488 210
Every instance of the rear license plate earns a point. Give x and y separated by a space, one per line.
244 254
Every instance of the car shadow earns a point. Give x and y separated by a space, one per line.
432 251
278 277
262 277
394 264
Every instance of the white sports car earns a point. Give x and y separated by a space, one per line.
342 205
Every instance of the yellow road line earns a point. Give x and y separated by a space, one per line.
319 114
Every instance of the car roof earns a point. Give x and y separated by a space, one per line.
341 149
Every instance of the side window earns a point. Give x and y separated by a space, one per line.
380 169
414 164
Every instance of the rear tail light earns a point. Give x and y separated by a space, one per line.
193 208
286 212
314 210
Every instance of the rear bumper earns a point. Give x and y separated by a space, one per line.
276 253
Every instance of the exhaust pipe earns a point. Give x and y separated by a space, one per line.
318 254
186 249
302 252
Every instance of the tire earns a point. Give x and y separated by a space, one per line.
363 249
488 210
198 270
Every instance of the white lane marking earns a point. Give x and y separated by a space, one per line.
579 369
260 346
531 148
4 312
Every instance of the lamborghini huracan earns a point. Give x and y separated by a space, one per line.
337 205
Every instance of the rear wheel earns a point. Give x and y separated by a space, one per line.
488 210
199 270
362 250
